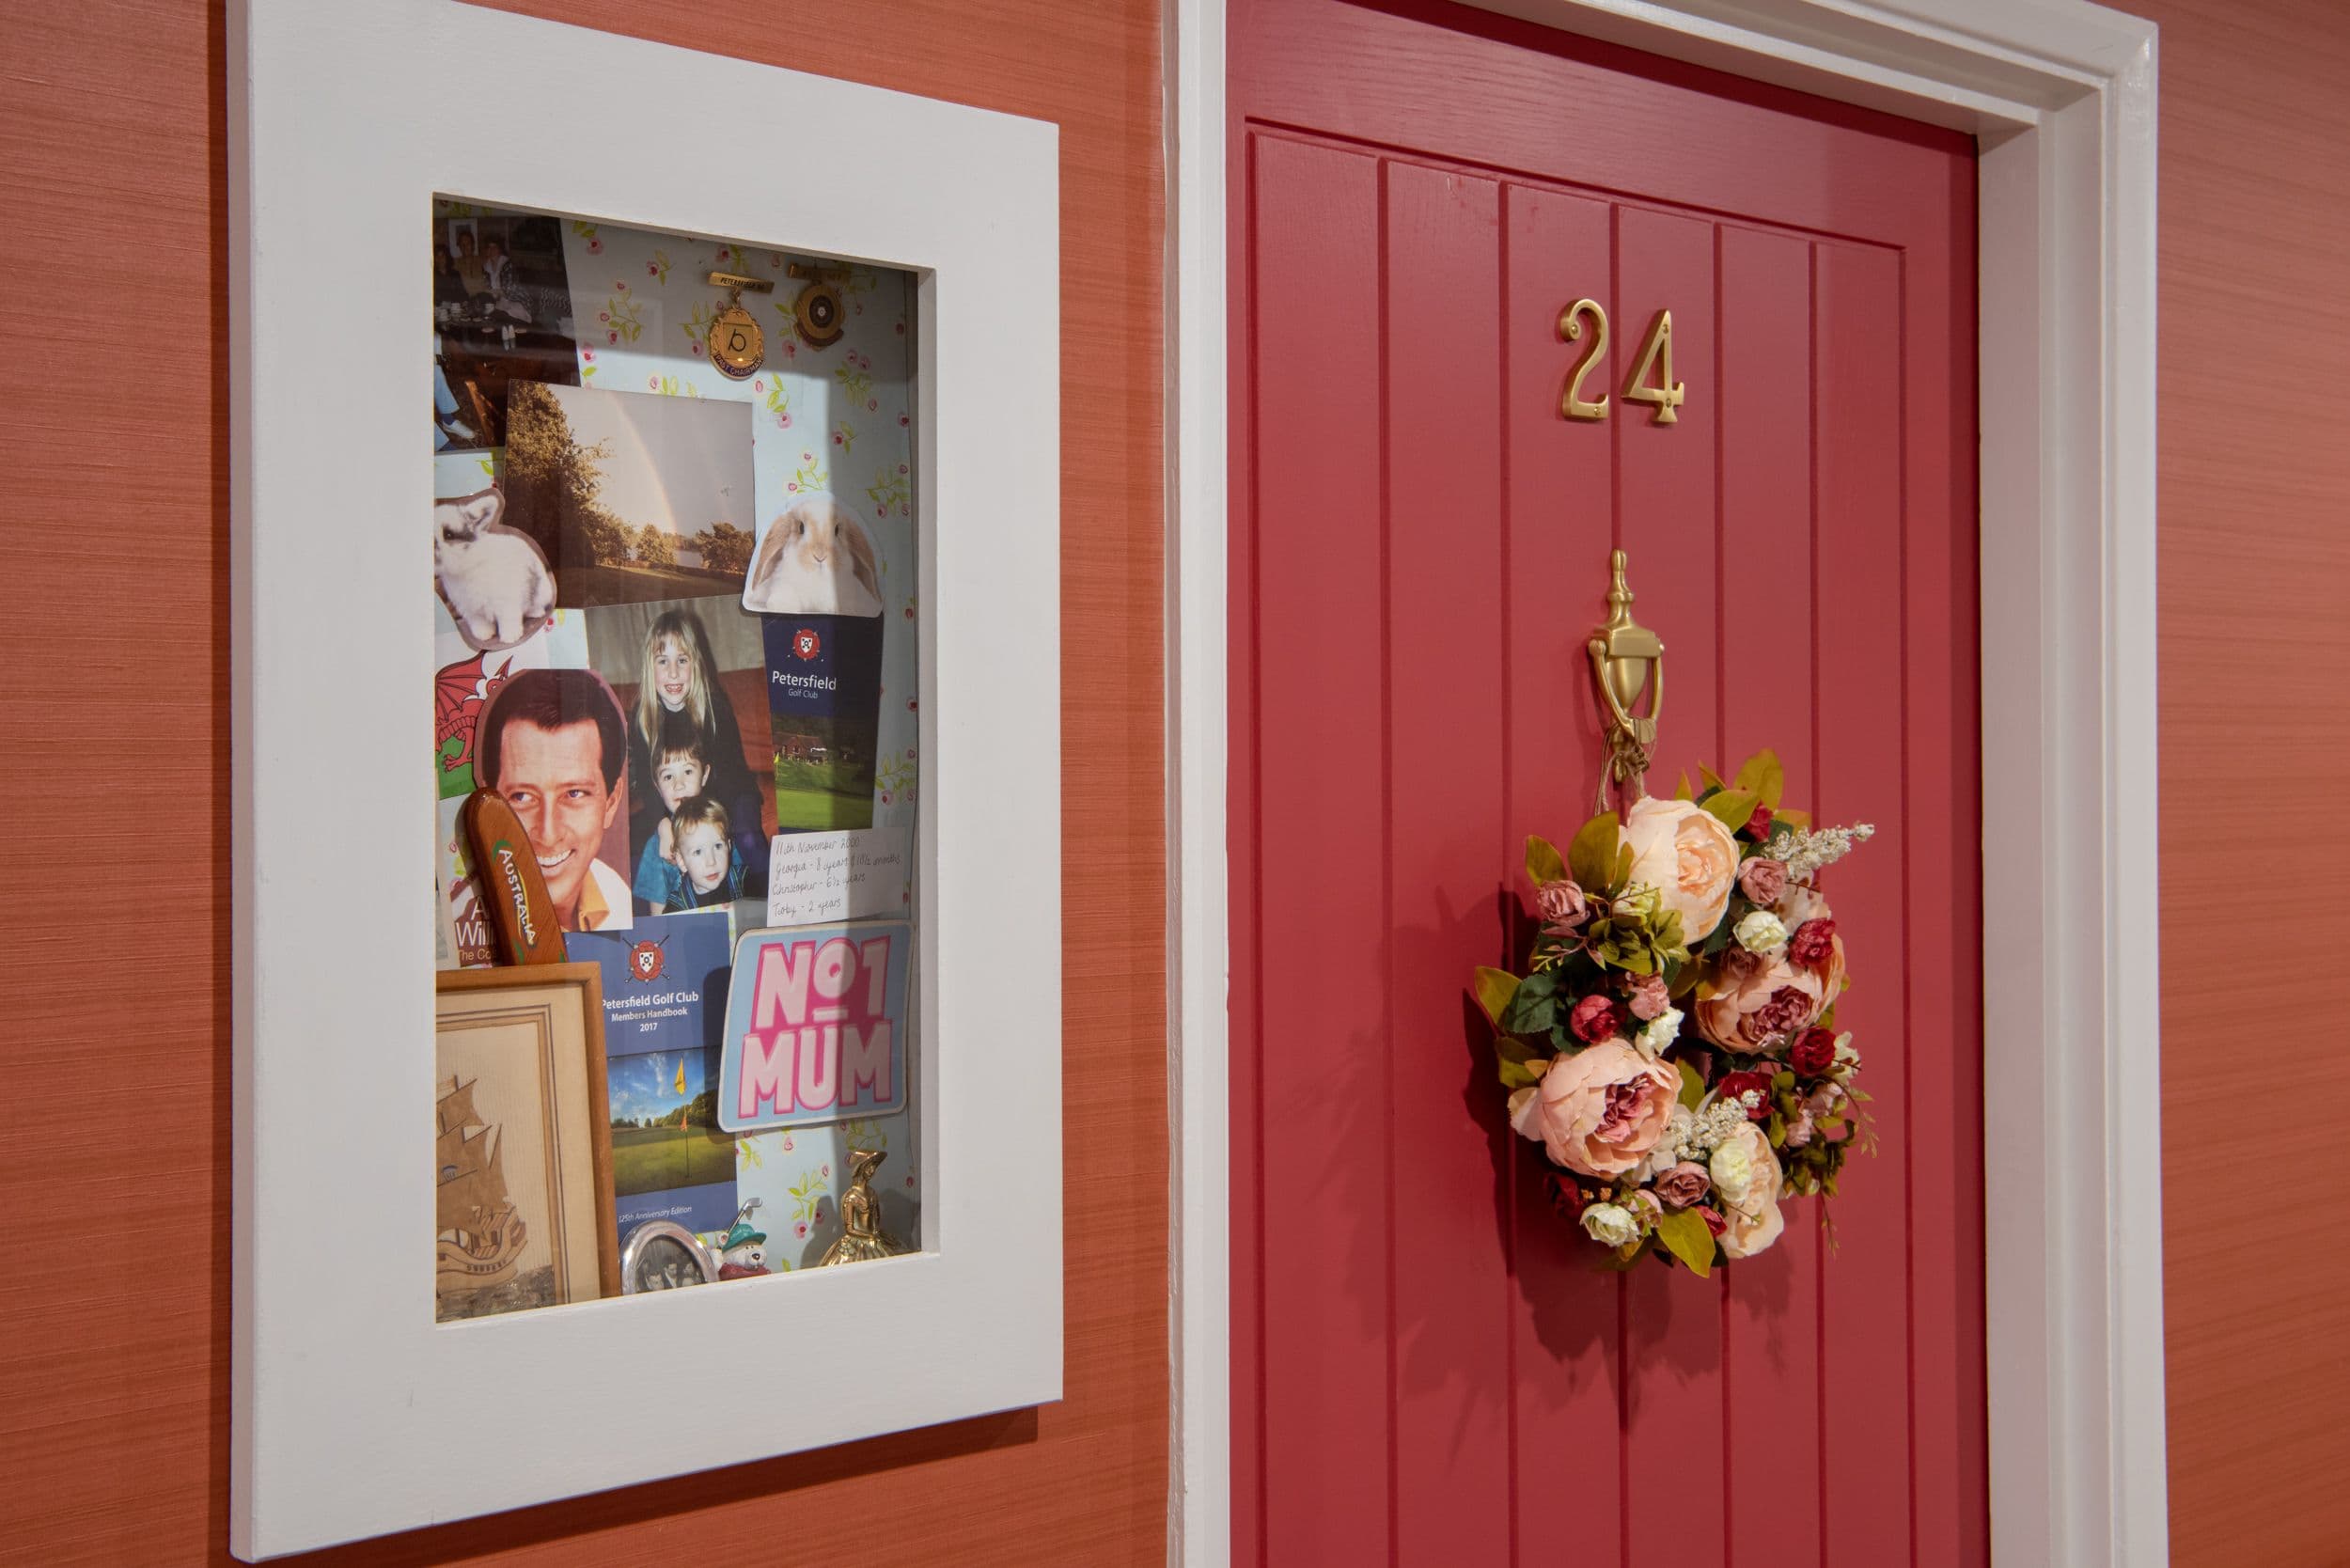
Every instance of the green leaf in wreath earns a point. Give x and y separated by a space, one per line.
1666 927
1494 989
1713 780
1730 807
1543 863
1762 776
1684 979
1624 870
1692 1085
1686 1236
1516 1074
1531 1012
1591 855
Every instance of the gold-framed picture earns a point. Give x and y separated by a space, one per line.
522 1141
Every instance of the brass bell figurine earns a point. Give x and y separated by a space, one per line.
861 1239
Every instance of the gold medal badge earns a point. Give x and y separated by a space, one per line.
819 311
737 346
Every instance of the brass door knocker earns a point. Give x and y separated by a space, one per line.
737 346
1624 656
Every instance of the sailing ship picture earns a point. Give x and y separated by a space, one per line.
522 1143
481 1236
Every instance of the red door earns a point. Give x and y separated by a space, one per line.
1426 1368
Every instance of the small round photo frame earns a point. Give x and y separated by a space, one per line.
663 1255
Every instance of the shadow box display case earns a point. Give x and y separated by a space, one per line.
678 964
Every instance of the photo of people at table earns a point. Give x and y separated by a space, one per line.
501 313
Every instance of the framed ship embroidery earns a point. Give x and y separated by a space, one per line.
521 1141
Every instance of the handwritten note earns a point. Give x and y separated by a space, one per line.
814 877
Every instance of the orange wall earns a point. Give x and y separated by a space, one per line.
114 1357
2255 563
114 1306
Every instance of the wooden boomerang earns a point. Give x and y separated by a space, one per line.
506 871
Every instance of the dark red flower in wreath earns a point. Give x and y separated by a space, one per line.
1812 942
1714 1221
805 643
1564 1196
1759 826
1814 1054
1596 1018
1734 1085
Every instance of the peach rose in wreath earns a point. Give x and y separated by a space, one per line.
1755 1220
1601 1110
1761 1005
1688 856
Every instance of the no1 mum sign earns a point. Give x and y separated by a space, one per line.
815 1026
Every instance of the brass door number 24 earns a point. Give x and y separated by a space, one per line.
1652 379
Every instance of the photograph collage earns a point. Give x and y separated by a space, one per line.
675 716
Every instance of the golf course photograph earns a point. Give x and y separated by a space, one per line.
665 1124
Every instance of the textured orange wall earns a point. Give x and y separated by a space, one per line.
114 1300
2255 563
114 1355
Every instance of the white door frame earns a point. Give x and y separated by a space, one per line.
2061 96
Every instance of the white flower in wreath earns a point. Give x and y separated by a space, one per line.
1761 931
1734 1172
1670 1149
1754 1218
1659 1033
1847 1057
1610 1225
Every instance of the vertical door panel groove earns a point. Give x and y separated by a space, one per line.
1566 1317
1768 688
1442 456
1325 1410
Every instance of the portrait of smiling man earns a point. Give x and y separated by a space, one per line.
553 747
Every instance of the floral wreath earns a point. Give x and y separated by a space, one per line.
1660 1143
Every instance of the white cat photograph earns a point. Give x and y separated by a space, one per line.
493 579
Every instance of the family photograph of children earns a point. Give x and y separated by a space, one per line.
691 679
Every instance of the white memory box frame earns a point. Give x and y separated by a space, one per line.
353 1413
